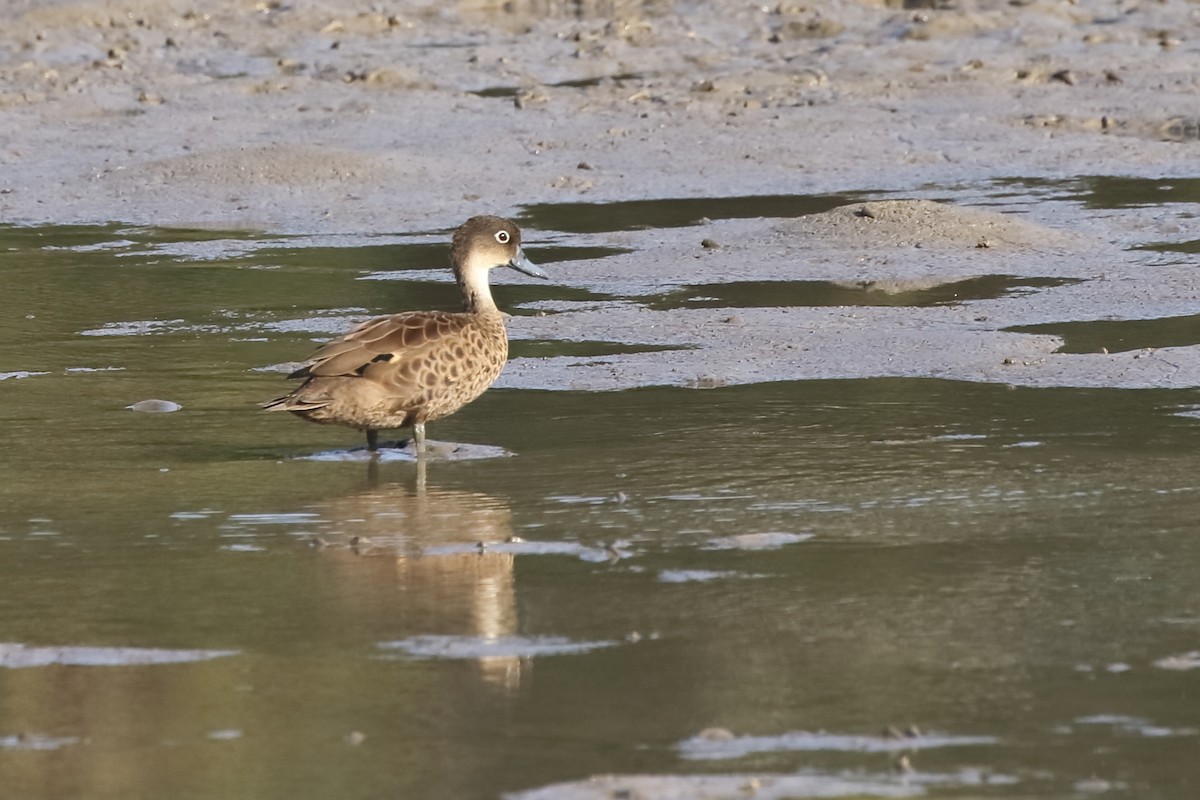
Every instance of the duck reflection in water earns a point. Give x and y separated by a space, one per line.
416 560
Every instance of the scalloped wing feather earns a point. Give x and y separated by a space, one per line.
383 339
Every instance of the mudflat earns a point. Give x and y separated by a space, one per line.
323 118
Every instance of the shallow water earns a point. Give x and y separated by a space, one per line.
1105 191
618 79
1117 336
674 213
754 581
774 294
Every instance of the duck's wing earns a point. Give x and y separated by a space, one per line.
383 339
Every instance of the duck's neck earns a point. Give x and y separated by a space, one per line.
473 283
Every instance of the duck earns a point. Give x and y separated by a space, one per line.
408 369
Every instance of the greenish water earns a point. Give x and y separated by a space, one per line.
1117 336
1188 248
1104 191
801 565
512 91
772 294
627 215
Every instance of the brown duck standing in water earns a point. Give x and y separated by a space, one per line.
411 368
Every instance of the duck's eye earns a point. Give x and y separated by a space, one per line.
502 237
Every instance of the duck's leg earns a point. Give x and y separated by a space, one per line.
420 476
372 439
419 437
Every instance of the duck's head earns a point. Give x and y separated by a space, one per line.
482 243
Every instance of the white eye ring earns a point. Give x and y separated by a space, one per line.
502 237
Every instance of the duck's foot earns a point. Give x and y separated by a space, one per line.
434 450
405 450
442 451
396 444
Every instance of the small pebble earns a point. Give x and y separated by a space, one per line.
1093 786
710 244
225 735
154 406
715 734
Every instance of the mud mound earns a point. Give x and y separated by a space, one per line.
924 223
278 164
